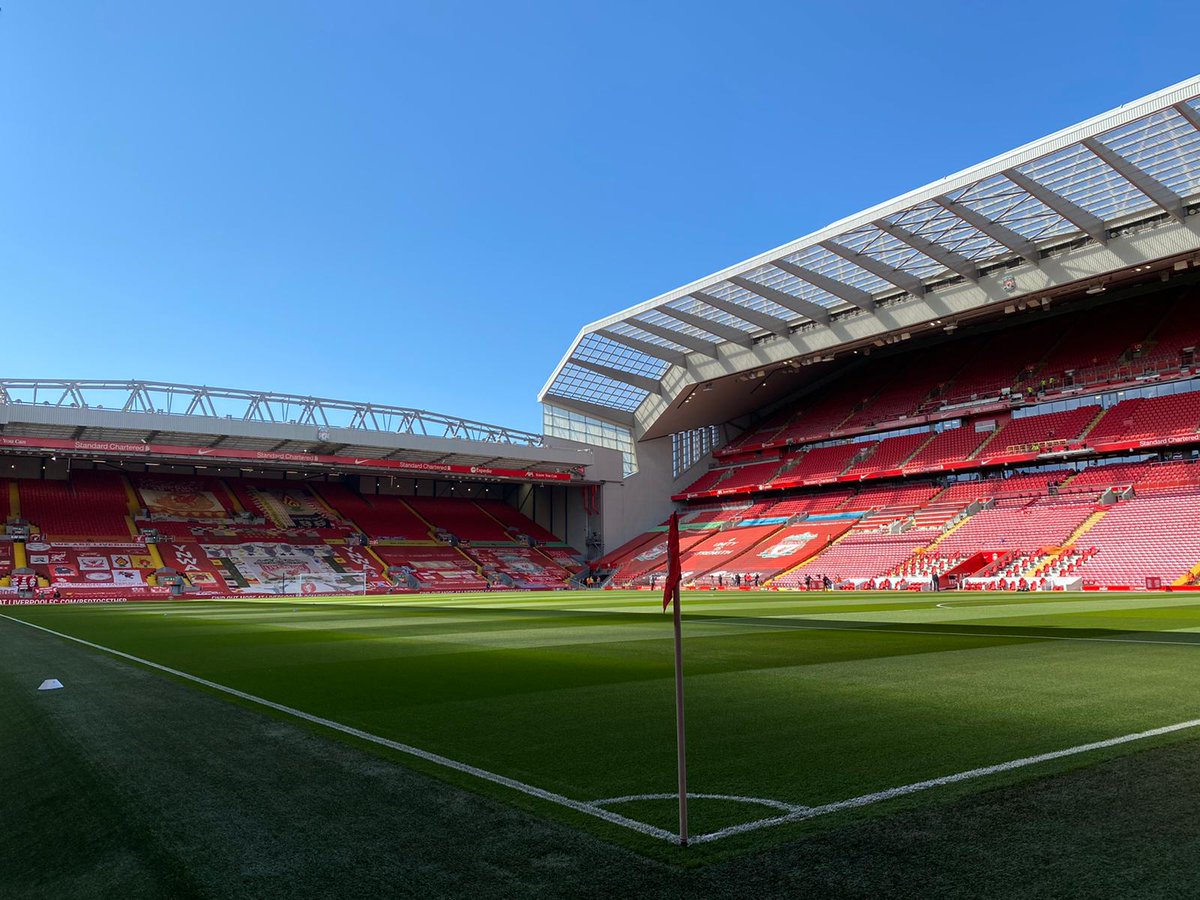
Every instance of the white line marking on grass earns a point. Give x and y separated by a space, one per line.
437 759
850 627
792 812
733 798
915 787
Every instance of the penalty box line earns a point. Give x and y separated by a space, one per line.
435 758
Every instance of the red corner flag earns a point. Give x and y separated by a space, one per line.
671 592
671 585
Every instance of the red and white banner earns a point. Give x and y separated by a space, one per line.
118 448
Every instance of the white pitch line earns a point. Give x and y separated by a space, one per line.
595 808
916 787
732 798
437 759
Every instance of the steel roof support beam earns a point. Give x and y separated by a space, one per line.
1189 112
605 413
851 295
898 277
666 354
1092 226
700 345
1003 236
630 378
955 262
717 329
798 305
1163 196
763 320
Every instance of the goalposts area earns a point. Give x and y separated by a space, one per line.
802 712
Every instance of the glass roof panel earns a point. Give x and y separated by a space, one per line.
696 308
938 224
790 284
653 317
1079 176
596 348
576 383
833 266
1003 202
743 297
1165 146
882 246
646 337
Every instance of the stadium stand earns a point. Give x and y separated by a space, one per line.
1040 432
1149 537
382 517
857 556
92 506
953 445
889 454
519 567
1162 419
819 463
460 518
1017 524
253 536
516 524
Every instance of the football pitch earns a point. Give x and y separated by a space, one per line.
804 711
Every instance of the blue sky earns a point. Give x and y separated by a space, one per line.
421 203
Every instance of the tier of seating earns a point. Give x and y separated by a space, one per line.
1017 524
1155 536
87 507
1036 529
1167 418
1042 357
951 445
106 529
1039 432
382 517
890 453
1170 419
858 556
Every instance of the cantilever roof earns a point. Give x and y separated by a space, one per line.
1141 160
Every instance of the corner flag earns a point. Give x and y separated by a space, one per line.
671 593
674 576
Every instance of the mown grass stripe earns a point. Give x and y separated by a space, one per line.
435 758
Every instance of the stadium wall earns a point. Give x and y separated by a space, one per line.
641 502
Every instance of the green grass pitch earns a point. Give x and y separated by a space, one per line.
795 702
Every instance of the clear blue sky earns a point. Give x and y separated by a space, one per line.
421 202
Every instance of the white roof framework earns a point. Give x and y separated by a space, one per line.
1138 162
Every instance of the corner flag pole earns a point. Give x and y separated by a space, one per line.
671 595
680 731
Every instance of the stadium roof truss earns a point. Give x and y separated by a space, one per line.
1047 214
276 429
257 406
